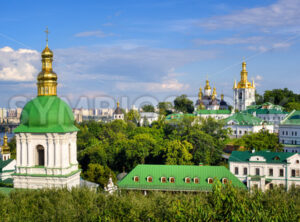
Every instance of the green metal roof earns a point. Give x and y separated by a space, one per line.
245 119
179 172
271 157
46 114
265 111
4 163
178 116
292 119
206 111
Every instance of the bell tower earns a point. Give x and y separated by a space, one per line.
244 91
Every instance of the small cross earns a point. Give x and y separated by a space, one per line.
243 58
47 33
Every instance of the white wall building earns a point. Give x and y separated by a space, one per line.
244 123
289 132
149 116
244 91
264 170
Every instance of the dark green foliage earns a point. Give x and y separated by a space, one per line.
260 141
183 104
283 97
81 204
148 108
165 108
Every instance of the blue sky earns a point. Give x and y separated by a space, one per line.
147 50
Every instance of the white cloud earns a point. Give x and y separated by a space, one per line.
95 33
228 41
282 13
171 85
18 65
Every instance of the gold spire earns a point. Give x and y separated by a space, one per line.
200 94
222 96
5 148
47 79
253 84
214 93
207 86
234 86
244 83
118 104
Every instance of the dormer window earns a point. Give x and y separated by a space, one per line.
163 179
136 179
224 180
171 179
149 179
196 180
210 180
276 158
187 180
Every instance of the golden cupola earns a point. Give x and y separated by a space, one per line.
244 83
207 86
47 78
5 148
200 94
214 93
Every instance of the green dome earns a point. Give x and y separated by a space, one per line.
46 114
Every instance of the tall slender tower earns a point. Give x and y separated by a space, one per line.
244 91
46 137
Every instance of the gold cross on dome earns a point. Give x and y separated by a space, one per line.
47 33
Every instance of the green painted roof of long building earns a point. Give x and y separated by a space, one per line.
292 119
179 172
271 157
206 111
244 119
265 111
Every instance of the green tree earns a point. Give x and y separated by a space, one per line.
133 116
165 108
178 153
262 140
148 108
183 104
98 174
292 106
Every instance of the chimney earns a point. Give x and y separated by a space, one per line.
200 164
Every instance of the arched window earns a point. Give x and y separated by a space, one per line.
187 180
224 180
40 156
171 179
196 180
149 179
210 180
136 179
163 179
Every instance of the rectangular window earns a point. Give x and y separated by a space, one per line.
257 171
236 170
297 173
295 133
293 173
245 171
271 172
281 173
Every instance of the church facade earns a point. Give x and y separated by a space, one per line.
207 99
46 142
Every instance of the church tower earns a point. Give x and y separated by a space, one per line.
46 145
244 91
5 150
